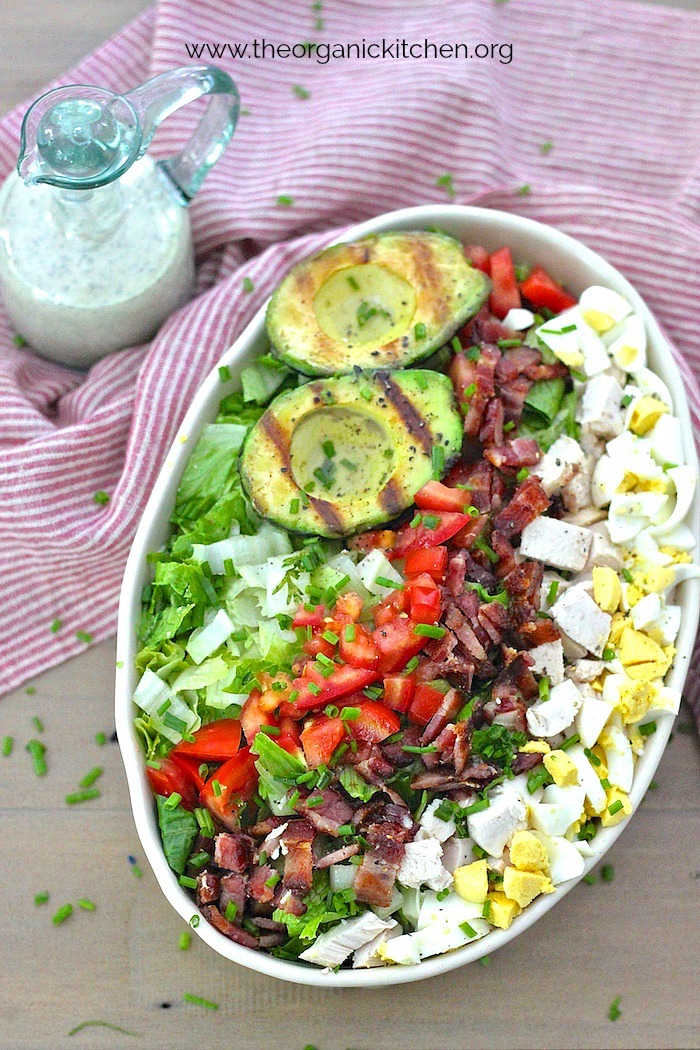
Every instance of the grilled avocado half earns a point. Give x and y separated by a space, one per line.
385 301
339 455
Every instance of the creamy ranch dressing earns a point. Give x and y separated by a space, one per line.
81 279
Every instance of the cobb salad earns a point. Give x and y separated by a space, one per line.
411 628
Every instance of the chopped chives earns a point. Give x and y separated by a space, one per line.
83 636
350 714
569 742
474 353
294 506
455 344
507 344
41 898
187 882
420 331
184 941
331 711
486 910
467 929
56 626
470 390
593 759
605 784
615 807
82 796
216 788
438 459
330 637
352 281
37 750
247 284
273 880
101 498
428 630
345 829
626 575
31 691
608 654
285 201
546 147
231 911
589 879
194 921
445 182
100 739
416 520
522 475
300 91
384 581
442 894
63 913
198 1001
476 807
314 689
552 592
7 745
614 1013
86 905
173 801
607 873
328 449
648 728
411 665
416 750
90 778
507 427
524 190
324 660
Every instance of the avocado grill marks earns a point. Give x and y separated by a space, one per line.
392 498
415 423
271 425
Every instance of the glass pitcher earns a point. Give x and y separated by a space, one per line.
95 242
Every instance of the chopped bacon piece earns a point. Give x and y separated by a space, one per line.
554 371
338 855
387 835
528 502
212 914
331 814
494 620
502 546
523 762
258 889
516 676
515 362
462 747
458 623
487 486
233 890
288 901
233 851
515 454
524 584
513 397
298 863
508 711
475 775
537 632
208 886
446 712
485 328
491 431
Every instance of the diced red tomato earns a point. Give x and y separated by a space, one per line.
289 737
432 560
191 767
390 607
214 742
436 496
505 294
342 682
478 257
237 780
399 690
412 539
257 711
397 644
317 644
425 599
376 722
541 290
172 777
361 650
320 738
425 703
348 604
306 618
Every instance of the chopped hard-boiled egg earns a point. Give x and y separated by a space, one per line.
472 881
527 852
607 592
629 349
561 769
602 308
523 886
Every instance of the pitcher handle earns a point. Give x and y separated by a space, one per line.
157 98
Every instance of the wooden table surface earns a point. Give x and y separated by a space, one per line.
637 937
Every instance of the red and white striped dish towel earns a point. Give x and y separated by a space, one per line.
613 87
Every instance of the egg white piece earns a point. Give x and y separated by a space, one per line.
684 480
653 386
563 344
628 351
618 757
608 475
588 778
518 319
565 861
591 719
602 308
559 809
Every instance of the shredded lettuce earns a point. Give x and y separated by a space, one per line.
178 830
324 909
274 759
545 398
263 378
355 785
563 423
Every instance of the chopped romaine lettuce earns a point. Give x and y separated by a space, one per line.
178 829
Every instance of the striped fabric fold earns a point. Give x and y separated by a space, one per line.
597 115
